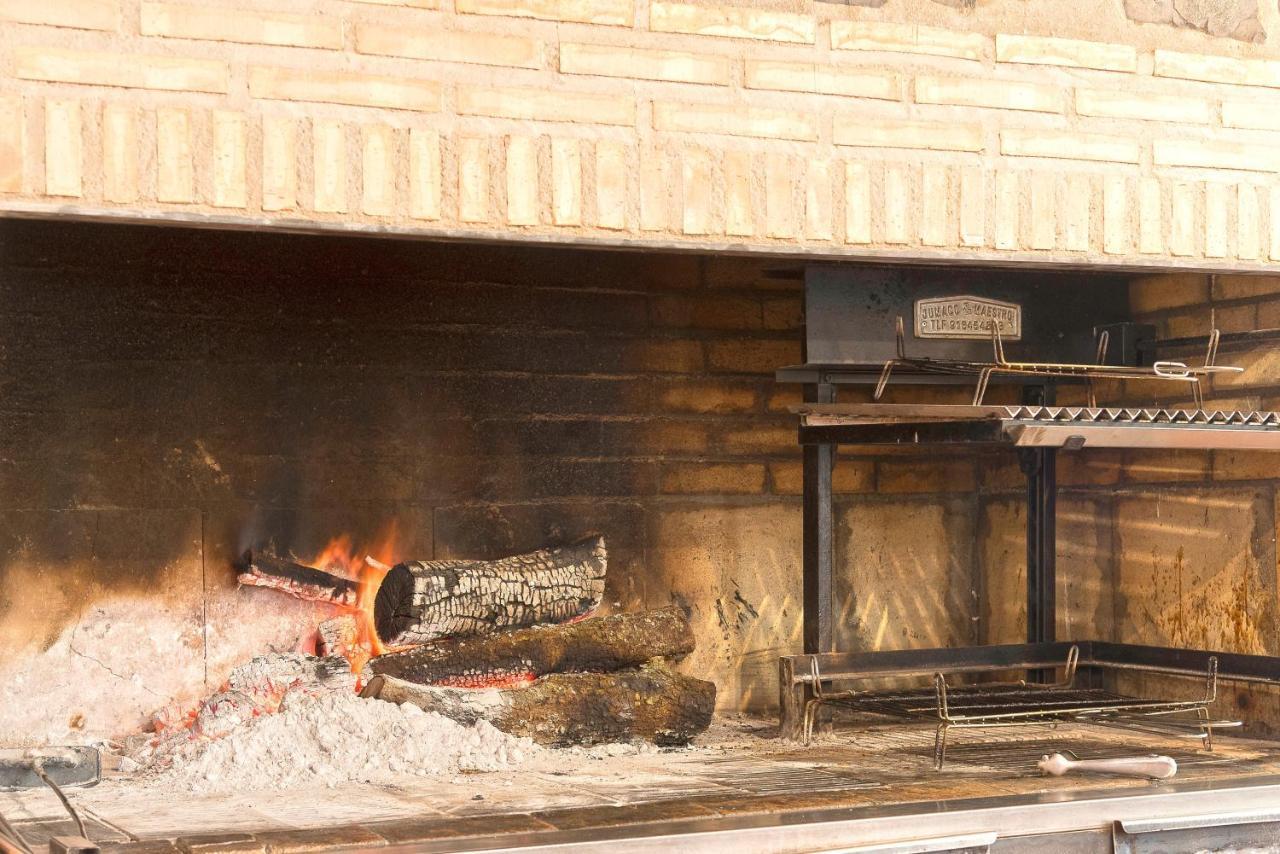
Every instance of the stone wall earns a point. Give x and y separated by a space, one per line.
1120 132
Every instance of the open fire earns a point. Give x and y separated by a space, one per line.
512 643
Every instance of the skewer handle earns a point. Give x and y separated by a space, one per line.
1157 767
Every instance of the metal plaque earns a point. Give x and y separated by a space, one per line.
967 317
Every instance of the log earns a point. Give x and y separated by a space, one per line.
259 569
652 702
594 644
422 601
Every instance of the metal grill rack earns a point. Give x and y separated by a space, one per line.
986 705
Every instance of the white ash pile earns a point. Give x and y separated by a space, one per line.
288 719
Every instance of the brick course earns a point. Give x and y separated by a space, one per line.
698 124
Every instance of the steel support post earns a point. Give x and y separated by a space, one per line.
819 546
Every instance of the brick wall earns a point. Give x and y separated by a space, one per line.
1012 132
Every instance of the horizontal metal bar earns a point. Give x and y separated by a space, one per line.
963 659
915 433
1233 666
931 845
1170 436
1184 822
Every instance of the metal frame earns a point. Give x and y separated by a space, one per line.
803 678
988 705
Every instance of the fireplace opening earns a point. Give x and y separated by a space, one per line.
499 538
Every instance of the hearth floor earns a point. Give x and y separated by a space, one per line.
738 768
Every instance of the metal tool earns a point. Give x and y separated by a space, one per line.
1156 767
1000 364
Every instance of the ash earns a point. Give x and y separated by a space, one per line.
332 739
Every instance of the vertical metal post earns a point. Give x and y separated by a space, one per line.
819 546
1040 466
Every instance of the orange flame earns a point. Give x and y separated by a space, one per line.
368 566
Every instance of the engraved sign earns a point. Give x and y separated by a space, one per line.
967 317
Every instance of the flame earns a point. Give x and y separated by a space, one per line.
368 565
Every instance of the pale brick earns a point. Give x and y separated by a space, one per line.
644 64
1007 210
63 148
1071 53
732 22
1075 222
1044 226
1216 69
415 4
566 181
1248 236
175 170
77 14
934 195
340 87
860 131
1216 200
378 170
230 141
1150 217
329 166
657 178
1216 155
779 196
279 163
739 216
734 121
545 105
1273 206
1071 146
118 69
973 206
1115 215
611 12
1145 106
473 179
1182 225
897 203
120 153
12 143
997 94
817 200
426 174
612 160
1239 114
857 202
822 79
907 38
522 180
697 190
216 23
449 46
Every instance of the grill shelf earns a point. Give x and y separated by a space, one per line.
1010 704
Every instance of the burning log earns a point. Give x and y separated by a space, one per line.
421 601
652 702
263 570
595 644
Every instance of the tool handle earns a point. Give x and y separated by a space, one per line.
1158 767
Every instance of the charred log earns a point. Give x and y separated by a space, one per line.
652 702
595 644
421 601
264 570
